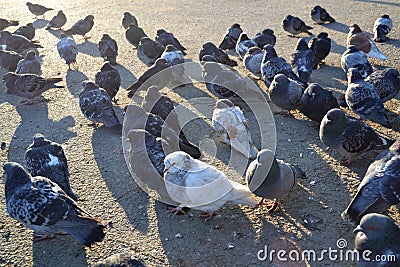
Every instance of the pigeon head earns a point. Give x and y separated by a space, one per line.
269 52
60 12
336 118
301 44
161 31
375 232
38 139
162 62
170 48
89 85
352 49
106 37
30 25
236 25
268 32
322 35
224 103
177 161
313 89
317 8
107 66
28 3
145 40
30 55
89 18
14 176
280 80
385 16
354 28
353 74
209 45
243 37
63 35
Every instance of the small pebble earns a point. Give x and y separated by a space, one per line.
3 145
178 235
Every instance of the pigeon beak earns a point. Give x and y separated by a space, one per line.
358 229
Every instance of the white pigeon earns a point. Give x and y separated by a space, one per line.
229 122
200 186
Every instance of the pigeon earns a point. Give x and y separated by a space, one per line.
28 31
175 59
109 79
126 259
316 102
81 27
223 83
386 83
198 185
44 207
165 38
148 51
230 123
57 21
321 45
377 234
128 19
136 118
47 159
29 86
302 60
271 178
362 98
211 49
96 106
321 16
349 135
363 43
265 37
4 23
67 49
295 25
231 36
37 10
108 49
134 33
379 188
272 65
382 27
9 60
354 58
243 44
253 59
285 92
149 77
30 64
16 42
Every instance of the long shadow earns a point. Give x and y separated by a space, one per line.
336 78
89 48
56 33
40 23
379 2
392 42
74 81
337 26
337 48
127 77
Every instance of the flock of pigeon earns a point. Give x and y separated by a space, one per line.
42 199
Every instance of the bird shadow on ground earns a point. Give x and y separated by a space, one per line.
337 26
56 33
127 77
392 42
88 48
336 81
374 2
337 48
74 81
40 23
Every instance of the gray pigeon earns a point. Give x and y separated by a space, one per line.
175 59
231 36
211 49
96 106
377 237
272 65
16 42
253 59
44 207
47 159
354 58
295 25
380 186
129 19
67 49
270 178
126 259
28 31
108 49
165 38
81 27
243 44
349 135
265 37
136 118
134 33
316 102
198 185
382 27
321 16
230 123
285 92
302 60
57 21
29 86
9 60
4 23
149 77
362 98
148 51
321 45
30 64
109 79
37 10
386 83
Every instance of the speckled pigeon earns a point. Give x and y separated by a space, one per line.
386 83
243 44
354 58
265 37
285 92
302 60
253 59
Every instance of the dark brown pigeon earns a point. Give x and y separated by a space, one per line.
4 23
27 31
109 79
57 21
108 49
37 10
9 59
129 19
165 38
81 27
16 43
30 64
